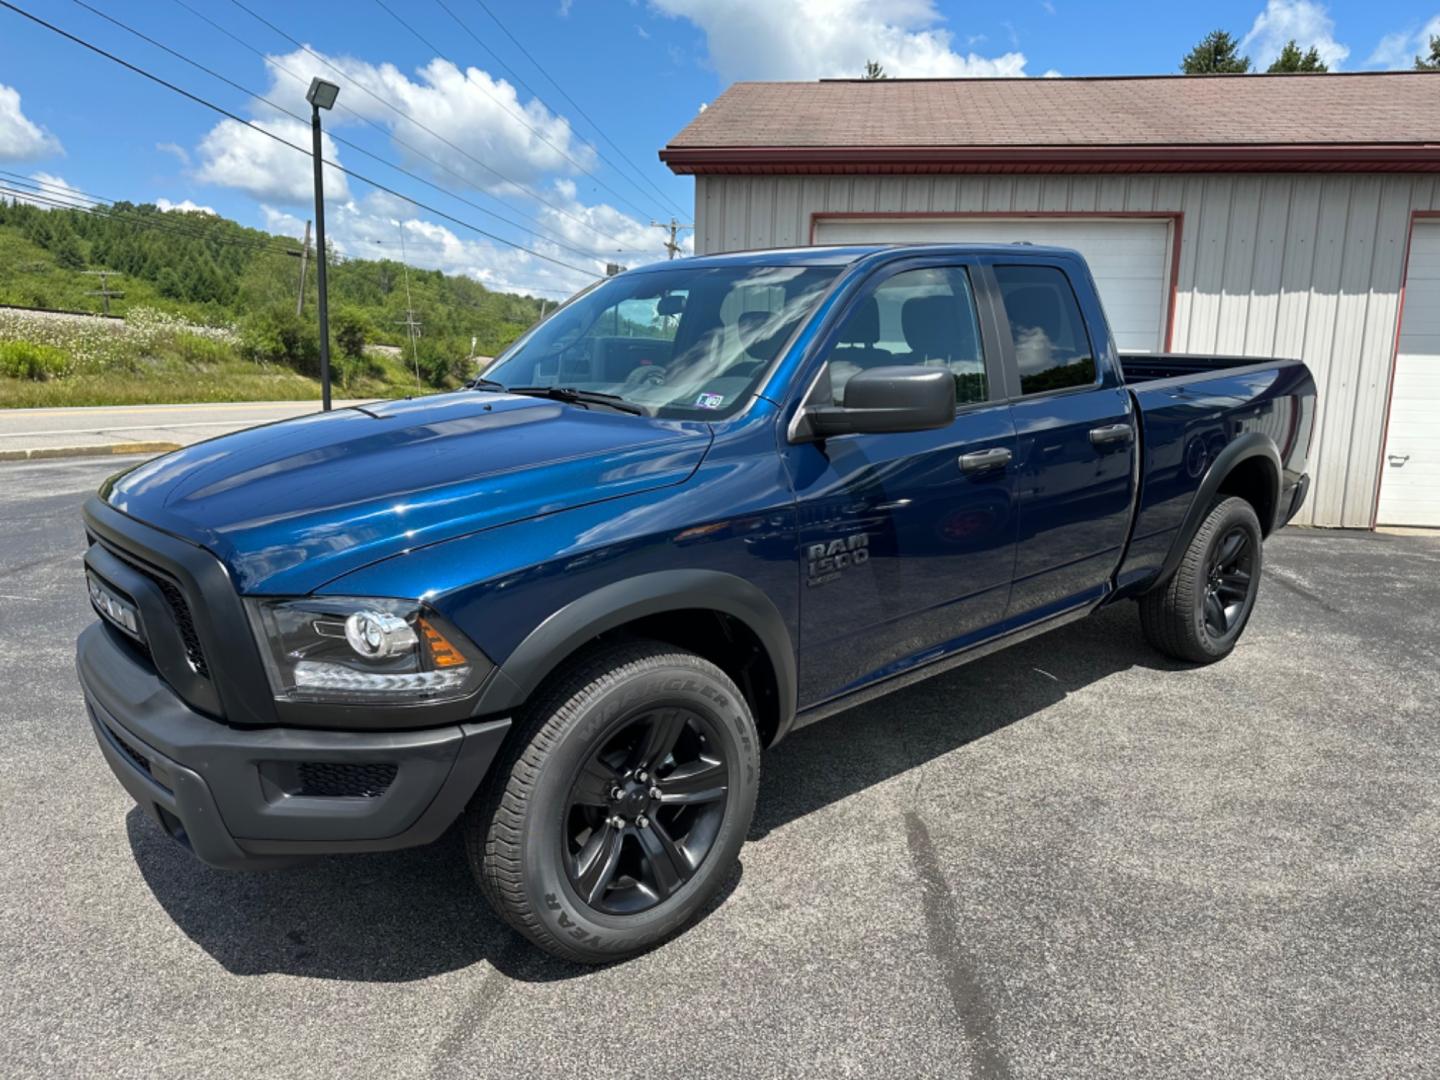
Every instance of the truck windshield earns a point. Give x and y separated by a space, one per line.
678 342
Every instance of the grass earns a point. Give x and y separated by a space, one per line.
152 358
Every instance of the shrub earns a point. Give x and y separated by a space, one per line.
27 360
276 335
351 329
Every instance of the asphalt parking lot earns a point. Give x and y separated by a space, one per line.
1070 859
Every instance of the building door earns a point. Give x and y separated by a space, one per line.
1410 468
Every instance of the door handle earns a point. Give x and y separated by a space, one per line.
980 460
1111 433
1399 459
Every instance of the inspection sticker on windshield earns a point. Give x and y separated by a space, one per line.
710 401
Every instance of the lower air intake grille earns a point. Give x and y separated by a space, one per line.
141 761
328 779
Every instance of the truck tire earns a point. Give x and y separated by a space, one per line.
620 805
1200 613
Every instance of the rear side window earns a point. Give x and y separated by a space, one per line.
922 317
1052 349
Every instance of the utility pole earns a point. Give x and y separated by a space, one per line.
672 245
304 253
104 291
412 327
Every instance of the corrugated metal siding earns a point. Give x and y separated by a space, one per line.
1275 265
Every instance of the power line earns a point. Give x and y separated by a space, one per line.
531 91
516 116
338 138
428 130
390 134
286 142
57 197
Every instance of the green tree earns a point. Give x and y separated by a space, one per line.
1292 61
1431 62
1217 54
874 71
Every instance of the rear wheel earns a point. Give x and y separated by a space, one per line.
1200 613
621 805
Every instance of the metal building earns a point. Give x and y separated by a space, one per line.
1259 215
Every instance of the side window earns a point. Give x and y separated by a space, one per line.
915 317
1052 349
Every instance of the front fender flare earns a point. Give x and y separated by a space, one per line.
1249 445
561 634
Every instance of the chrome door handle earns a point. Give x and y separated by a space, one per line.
980 460
1399 459
1111 433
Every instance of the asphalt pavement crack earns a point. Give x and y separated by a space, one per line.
942 934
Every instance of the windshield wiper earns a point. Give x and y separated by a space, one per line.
574 396
482 383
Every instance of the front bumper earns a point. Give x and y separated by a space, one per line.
245 798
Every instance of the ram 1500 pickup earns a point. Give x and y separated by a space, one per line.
700 505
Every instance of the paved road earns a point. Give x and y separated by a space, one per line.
1072 859
26 429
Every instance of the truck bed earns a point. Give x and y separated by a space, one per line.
1147 367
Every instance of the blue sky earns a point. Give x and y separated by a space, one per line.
481 120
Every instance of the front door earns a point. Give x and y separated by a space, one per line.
907 539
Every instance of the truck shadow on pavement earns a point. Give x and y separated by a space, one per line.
413 914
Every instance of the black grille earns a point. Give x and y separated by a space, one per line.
134 755
185 623
328 779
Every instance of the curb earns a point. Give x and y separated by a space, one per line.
107 450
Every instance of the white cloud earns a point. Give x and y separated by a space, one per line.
1308 25
184 207
175 150
20 138
369 228
813 39
233 155
1397 51
475 117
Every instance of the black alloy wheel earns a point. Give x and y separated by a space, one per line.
1229 580
1200 611
644 809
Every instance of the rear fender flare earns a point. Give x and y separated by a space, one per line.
1249 445
568 629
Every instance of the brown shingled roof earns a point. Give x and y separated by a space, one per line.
1362 121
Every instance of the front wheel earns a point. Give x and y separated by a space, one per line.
1200 613
621 805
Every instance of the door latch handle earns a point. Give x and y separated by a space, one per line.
1111 433
1399 459
980 460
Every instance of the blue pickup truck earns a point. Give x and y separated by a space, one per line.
701 505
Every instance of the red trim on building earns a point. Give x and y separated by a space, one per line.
1416 216
816 160
1175 217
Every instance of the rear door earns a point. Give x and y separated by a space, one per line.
1075 434
906 539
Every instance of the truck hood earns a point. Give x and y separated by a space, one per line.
292 505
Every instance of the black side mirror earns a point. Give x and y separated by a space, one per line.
883 400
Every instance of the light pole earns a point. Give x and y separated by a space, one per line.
321 95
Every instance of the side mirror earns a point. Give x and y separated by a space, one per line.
883 400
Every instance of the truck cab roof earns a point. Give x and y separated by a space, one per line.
848 254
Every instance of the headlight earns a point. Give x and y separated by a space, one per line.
359 650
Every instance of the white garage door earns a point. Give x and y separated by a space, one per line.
1410 473
1130 258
